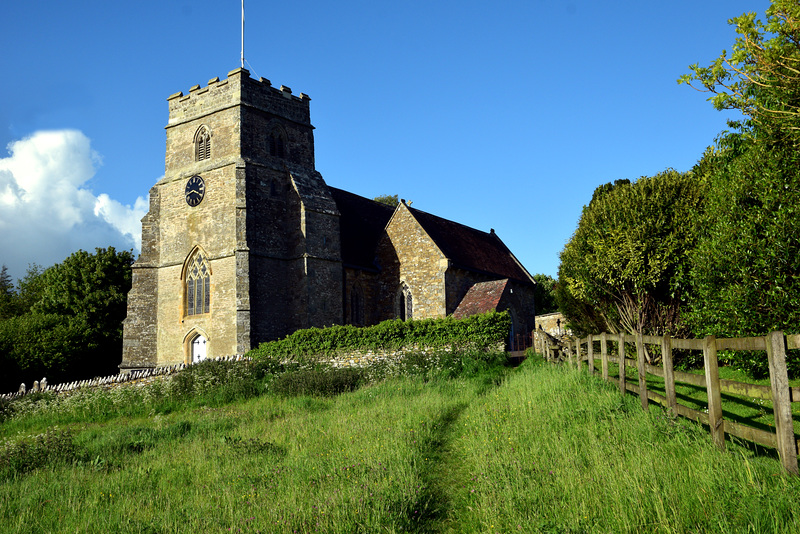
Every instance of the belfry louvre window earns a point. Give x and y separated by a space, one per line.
202 144
277 144
198 286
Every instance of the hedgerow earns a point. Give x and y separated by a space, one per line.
475 332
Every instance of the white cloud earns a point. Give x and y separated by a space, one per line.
46 211
125 219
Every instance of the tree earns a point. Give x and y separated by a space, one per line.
761 77
92 285
625 267
71 325
389 200
29 289
7 294
34 346
607 188
746 270
544 295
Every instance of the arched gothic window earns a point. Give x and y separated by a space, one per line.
202 144
277 143
198 285
405 303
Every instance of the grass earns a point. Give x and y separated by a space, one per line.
591 460
738 408
537 449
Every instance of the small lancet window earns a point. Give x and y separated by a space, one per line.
405 303
277 143
202 144
198 285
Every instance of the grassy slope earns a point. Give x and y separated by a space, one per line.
549 450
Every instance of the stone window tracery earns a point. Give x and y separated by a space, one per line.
202 144
198 285
405 303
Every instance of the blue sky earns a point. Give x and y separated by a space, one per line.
501 115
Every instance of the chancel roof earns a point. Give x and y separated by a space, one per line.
472 249
362 222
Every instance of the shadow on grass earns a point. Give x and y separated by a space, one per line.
734 408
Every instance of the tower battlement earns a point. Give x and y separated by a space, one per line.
238 88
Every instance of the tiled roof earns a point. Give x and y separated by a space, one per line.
481 298
361 225
472 249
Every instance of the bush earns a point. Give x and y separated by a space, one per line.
476 332
54 447
438 365
215 381
320 382
6 409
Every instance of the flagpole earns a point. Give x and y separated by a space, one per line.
242 33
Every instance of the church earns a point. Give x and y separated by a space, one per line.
244 242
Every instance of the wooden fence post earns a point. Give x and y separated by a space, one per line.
576 347
715 422
573 356
669 374
604 355
642 370
569 352
547 350
781 401
590 353
621 355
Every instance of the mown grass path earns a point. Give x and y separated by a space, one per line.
432 504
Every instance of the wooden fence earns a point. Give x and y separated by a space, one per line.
778 392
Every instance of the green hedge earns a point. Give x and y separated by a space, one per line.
476 332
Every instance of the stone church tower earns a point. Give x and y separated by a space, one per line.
242 242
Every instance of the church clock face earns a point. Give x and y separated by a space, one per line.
195 191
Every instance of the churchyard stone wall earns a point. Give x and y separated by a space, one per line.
355 358
554 324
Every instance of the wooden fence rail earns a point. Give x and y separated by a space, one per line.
778 392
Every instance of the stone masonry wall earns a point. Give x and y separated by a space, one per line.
368 284
365 358
211 227
554 324
408 255
357 358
